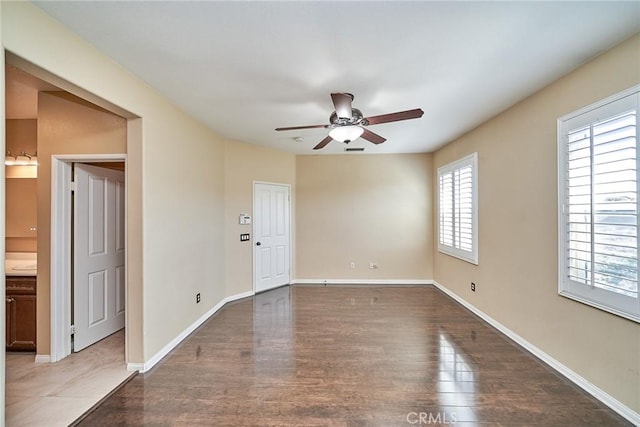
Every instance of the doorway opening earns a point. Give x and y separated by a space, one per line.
33 81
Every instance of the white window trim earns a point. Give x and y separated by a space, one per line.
471 257
604 300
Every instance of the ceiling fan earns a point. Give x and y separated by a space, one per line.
346 123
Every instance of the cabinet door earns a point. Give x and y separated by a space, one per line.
21 322
10 306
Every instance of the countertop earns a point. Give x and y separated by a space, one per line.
21 263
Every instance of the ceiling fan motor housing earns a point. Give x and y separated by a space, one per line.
356 119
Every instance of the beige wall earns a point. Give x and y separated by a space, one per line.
21 136
21 209
66 125
364 208
244 164
183 175
517 274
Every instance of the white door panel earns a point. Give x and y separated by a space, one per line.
281 265
265 258
99 270
271 236
97 288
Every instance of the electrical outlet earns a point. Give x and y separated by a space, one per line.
197 297
473 287
352 265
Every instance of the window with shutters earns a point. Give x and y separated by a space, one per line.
598 204
457 209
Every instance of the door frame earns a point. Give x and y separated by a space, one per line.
253 229
61 242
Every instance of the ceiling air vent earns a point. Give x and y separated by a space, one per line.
354 149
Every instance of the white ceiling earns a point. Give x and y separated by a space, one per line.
244 68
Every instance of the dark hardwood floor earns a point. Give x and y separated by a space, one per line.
350 356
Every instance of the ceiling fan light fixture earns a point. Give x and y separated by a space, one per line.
346 134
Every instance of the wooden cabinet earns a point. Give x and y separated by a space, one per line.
20 304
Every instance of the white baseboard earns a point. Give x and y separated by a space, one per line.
136 367
144 367
43 358
571 375
361 282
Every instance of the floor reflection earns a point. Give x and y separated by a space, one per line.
272 313
456 380
272 338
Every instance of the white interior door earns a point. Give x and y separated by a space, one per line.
99 243
271 235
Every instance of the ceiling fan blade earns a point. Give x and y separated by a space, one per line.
372 137
342 104
302 127
323 143
394 117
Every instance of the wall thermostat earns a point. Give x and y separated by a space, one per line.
245 219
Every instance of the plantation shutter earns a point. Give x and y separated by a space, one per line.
457 209
599 227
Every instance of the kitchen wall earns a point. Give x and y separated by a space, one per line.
21 202
244 164
66 125
361 209
516 278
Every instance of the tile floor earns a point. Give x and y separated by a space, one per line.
56 394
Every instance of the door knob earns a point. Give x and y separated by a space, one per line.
258 243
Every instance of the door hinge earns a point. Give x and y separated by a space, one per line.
72 330
73 186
